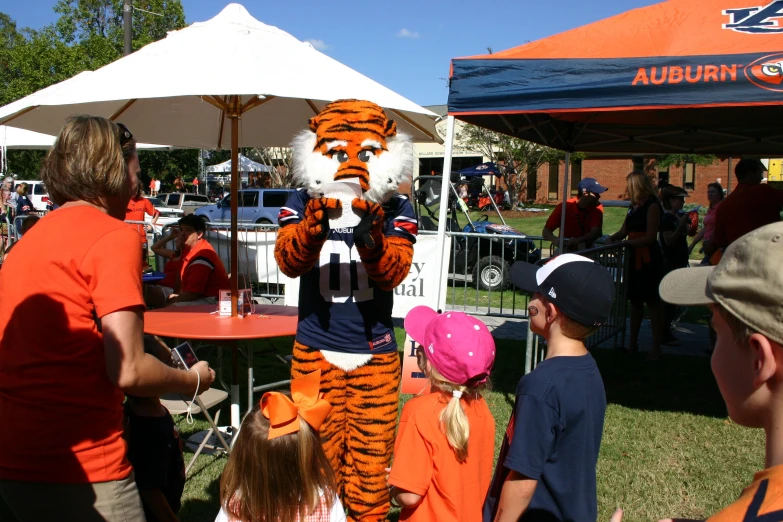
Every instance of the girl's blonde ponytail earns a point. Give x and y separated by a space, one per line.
455 422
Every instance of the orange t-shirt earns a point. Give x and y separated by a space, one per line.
425 464
203 271
61 416
763 499
172 270
747 208
137 208
578 222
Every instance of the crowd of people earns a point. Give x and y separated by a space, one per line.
72 350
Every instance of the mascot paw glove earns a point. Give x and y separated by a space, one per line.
369 232
316 219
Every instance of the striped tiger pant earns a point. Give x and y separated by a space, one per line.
358 435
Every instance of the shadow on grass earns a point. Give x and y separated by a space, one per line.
674 383
202 509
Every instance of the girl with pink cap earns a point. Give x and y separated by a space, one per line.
446 438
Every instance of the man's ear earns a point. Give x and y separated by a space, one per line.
765 359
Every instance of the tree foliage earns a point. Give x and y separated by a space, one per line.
520 157
87 35
678 160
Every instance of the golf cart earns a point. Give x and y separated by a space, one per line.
483 259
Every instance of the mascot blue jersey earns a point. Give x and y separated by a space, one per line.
340 308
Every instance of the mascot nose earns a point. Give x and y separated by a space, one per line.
354 168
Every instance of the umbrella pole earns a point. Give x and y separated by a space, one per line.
234 213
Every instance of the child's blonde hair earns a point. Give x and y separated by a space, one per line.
453 420
277 480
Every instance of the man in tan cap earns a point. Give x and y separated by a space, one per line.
745 292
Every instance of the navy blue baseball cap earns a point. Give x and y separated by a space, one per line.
580 287
591 185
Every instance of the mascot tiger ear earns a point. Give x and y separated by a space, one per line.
353 139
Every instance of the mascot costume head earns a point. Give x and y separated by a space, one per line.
347 277
353 139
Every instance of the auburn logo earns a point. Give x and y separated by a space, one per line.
767 72
757 19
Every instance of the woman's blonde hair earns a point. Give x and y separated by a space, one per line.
88 162
640 187
22 189
453 419
278 480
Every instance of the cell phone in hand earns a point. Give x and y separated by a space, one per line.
185 356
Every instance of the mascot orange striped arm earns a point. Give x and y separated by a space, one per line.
345 292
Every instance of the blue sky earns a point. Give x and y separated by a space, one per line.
406 45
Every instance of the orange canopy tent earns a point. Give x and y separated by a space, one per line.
682 76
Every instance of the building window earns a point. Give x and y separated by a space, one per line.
689 176
663 178
554 180
576 176
638 163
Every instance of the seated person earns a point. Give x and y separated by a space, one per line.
155 449
27 224
157 294
584 217
202 275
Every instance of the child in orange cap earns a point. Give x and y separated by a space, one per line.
446 439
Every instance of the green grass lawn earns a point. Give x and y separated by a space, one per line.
668 447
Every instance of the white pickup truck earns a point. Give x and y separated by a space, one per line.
188 203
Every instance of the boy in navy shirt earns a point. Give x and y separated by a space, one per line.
546 467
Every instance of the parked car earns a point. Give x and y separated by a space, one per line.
37 193
168 215
187 203
254 206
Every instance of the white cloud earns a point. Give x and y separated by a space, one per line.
317 44
404 33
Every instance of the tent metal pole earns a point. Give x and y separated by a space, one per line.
441 257
565 197
728 180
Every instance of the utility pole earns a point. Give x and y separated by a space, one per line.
127 12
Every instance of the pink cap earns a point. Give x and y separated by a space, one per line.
459 346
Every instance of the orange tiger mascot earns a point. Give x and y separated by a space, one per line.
345 296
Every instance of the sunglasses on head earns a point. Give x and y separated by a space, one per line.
125 134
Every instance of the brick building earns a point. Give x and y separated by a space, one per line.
546 185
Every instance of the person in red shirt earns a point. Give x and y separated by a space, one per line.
750 205
584 217
71 341
138 207
203 274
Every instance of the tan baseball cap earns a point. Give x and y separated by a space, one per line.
748 282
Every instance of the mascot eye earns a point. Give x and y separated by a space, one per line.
342 156
365 155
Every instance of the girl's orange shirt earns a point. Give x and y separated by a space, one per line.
425 464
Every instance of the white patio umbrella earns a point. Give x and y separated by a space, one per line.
270 84
13 138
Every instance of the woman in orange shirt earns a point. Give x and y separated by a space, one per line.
446 439
71 322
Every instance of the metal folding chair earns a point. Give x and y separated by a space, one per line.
178 404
